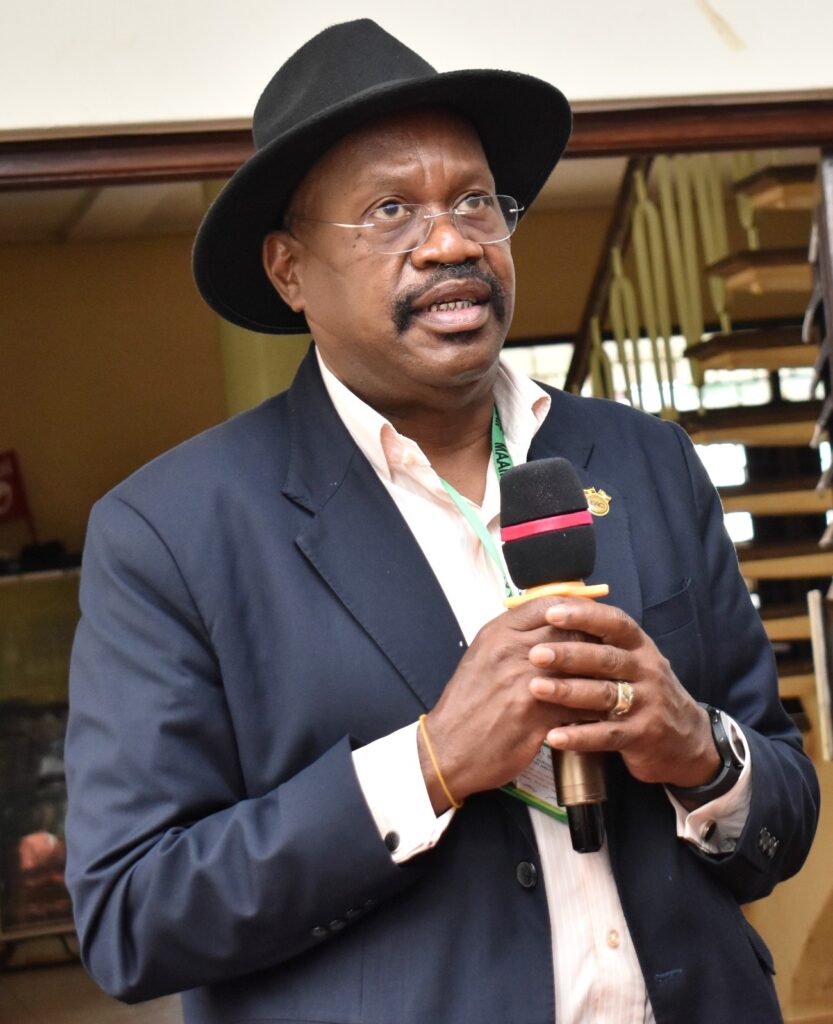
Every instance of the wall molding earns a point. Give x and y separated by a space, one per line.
193 155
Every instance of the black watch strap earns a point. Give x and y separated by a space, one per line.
729 771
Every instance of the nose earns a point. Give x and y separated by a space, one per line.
445 244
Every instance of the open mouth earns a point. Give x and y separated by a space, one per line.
459 299
437 307
453 316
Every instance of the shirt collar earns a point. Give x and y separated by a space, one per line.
522 405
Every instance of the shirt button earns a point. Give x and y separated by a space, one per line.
526 874
613 938
392 841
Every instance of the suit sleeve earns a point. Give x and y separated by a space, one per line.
179 877
742 680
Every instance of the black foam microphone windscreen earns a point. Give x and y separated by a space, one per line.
548 533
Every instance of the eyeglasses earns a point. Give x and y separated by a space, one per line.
396 228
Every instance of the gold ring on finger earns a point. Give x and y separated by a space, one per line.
624 699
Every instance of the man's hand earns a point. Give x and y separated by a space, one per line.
665 737
489 724
548 670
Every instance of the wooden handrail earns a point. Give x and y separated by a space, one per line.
618 234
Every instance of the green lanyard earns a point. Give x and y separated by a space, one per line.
526 787
502 461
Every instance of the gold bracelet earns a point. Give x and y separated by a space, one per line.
456 804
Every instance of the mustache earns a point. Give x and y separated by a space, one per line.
403 306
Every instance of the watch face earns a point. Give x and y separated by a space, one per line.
733 734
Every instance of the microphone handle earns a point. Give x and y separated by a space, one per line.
579 778
580 789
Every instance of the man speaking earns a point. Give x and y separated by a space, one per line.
298 703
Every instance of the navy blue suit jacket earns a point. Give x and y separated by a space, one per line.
253 607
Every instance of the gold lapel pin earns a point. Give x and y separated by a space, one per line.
597 501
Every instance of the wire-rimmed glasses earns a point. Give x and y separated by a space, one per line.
396 228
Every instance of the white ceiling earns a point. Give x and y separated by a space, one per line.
104 64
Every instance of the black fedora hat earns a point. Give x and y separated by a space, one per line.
340 79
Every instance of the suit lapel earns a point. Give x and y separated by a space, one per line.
572 435
361 547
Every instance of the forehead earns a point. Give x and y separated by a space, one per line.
416 150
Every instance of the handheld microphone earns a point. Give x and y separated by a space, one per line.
549 547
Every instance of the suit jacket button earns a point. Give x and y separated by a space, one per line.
526 874
319 932
707 831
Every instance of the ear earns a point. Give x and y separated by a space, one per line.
280 261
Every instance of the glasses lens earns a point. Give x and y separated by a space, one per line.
487 219
403 227
397 227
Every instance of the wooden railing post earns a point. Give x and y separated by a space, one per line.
618 234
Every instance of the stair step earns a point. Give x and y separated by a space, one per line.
776 497
787 621
779 424
784 561
766 348
781 188
797 680
756 271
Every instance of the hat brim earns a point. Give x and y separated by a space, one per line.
523 122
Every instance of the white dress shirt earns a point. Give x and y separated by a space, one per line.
596 971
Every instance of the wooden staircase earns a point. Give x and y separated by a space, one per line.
756 271
784 622
778 497
671 222
768 348
780 424
781 188
780 564
785 561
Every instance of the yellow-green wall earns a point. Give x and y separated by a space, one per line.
556 253
107 358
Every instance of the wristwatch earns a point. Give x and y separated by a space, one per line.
731 756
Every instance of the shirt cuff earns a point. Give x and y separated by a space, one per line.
394 788
715 827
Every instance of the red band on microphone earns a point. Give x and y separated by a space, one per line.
536 526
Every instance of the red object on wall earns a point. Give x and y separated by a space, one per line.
13 504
